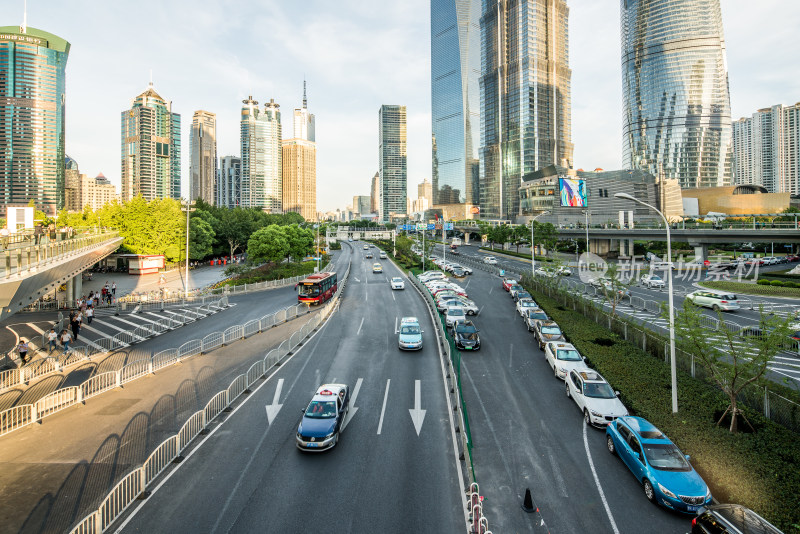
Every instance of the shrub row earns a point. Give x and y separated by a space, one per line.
758 470
753 289
778 283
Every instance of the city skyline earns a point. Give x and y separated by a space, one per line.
346 133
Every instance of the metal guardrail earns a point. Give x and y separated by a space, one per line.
135 483
38 368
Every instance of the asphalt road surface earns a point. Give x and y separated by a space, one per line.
387 474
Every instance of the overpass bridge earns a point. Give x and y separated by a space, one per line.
343 233
30 268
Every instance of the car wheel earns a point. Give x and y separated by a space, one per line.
610 445
567 385
555 372
715 308
587 421
649 492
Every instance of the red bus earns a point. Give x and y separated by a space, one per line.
317 288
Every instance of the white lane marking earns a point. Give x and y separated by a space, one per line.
275 407
35 328
359 327
383 409
491 289
597 482
353 407
510 355
417 414
394 299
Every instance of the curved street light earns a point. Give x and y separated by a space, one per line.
673 369
533 250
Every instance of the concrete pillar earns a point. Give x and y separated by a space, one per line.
700 252
70 292
78 285
466 238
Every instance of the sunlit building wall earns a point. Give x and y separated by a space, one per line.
300 178
261 145
203 148
393 171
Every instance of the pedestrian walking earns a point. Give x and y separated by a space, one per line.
76 326
4 235
66 337
114 289
22 349
37 233
89 315
52 340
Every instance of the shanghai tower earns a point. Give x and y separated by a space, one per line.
676 106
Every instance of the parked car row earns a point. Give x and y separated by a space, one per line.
456 269
664 472
453 302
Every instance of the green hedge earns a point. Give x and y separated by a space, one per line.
758 470
753 289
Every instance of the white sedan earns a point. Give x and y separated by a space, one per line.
525 304
397 283
652 280
594 397
452 314
562 358
490 260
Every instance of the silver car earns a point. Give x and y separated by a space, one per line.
715 301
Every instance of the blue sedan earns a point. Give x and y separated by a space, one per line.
324 418
667 476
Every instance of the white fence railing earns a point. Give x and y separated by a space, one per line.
135 483
56 363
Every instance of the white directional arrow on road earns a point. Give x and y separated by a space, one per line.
274 408
353 408
417 414
356 279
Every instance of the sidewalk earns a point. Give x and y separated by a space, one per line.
129 283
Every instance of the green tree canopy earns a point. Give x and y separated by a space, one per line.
201 238
301 241
268 244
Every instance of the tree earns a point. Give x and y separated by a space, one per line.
201 238
235 228
546 235
268 244
520 234
739 359
616 286
301 241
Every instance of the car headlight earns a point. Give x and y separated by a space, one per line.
708 493
329 436
596 414
666 492
562 370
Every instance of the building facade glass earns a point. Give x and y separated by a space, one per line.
151 148
203 148
525 97
455 100
676 106
261 185
393 172
32 100
229 182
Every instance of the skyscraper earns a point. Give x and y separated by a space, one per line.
455 100
261 156
375 193
151 148
203 146
300 177
304 122
32 96
229 182
425 190
767 149
525 98
392 161
676 107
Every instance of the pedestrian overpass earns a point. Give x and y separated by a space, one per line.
31 268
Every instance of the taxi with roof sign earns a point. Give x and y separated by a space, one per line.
323 420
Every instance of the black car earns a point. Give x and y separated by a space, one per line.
730 519
466 336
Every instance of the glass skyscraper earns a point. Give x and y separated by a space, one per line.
151 148
203 157
676 107
525 97
261 184
455 100
393 170
32 97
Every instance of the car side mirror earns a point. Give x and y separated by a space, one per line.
616 393
302 411
688 457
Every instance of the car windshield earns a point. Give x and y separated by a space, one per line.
455 312
523 295
321 409
527 304
397 279
665 457
654 278
466 329
551 330
568 355
309 291
409 329
598 390
538 315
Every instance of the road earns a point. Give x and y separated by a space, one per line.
385 475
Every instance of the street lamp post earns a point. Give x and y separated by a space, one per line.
586 214
533 250
673 368
188 207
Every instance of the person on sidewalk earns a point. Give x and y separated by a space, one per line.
89 315
113 289
22 349
52 340
76 326
4 235
66 337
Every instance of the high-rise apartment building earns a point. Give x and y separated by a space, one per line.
81 191
151 148
455 101
425 190
676 107
261 156
304 122
300 177
765 148
361 204
525 98
375 193
203 147
32 96
229 182
392 161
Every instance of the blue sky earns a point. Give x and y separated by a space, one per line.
356 55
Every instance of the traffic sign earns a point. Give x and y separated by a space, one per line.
448 226
422 226
431 226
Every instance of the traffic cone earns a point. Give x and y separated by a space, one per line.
527 504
